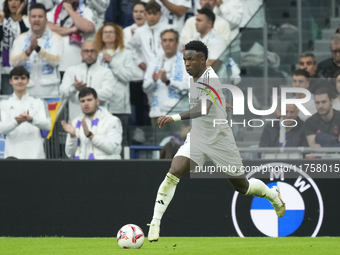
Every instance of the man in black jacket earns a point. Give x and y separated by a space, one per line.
330 66
276 135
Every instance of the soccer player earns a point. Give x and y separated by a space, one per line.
218 143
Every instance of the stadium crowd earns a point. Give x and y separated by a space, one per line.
130 54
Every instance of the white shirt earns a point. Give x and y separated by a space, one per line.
42 66
171 19
189 32
216 46
146 43
24 141
138 73
71 55
106 142
122 67
98 77
128 33
202 127
162 97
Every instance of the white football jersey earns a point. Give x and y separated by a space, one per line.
203 127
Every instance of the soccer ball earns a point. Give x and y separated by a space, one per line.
130 236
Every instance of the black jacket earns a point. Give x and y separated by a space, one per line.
328 68
296 136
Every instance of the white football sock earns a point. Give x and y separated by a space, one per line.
165 194
257 188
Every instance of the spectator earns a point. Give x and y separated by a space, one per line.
322 129
166 78
13 23
21 119
307 62
137 96
74 21
330 66
139 18
95 133
221 26
165 81
98 8
231 11
39 50
113 55
87 74
146 42
173 12
300 80
277 135
204 25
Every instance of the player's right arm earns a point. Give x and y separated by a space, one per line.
193 113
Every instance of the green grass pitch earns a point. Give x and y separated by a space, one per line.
173 245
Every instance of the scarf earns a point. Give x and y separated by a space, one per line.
46 68
94 126
66 21
175 74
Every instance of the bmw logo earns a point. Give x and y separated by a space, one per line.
254 216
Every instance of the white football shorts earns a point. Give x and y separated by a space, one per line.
223 153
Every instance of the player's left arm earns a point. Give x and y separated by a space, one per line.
193 113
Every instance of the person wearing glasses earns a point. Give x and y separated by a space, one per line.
115 57
330 66
87 74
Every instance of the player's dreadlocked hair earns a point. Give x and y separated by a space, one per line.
197 46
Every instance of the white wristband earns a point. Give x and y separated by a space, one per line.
176 117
